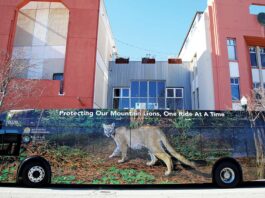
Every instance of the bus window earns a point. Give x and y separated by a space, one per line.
10 144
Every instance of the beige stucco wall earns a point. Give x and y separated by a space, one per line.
105 52
41 37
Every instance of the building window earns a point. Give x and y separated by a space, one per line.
121 98
253 56
57 76
231 46
257 61
235 89
256 85
255 53
174 98
148 94
262 56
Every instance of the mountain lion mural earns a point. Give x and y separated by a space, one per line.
149 137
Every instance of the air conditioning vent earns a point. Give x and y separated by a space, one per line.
148 60
174 61
122 60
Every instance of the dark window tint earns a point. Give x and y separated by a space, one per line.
262 57
235 92
135 89
125 103
116 102
125 92
143 89
170 93
152 103
253 59
179 103
9 144
117 92
253 56
121 103
133 102
161 103
152 89
58 76
170 103
161 89
179 93
235 89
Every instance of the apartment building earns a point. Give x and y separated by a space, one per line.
225 48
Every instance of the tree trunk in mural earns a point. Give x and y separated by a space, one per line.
256 106
259 138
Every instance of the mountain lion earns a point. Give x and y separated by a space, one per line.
149 137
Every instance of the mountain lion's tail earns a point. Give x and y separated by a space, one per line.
178 156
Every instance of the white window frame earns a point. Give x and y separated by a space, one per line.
174 95
121 95
121 89
148 94
234 83
174 92
231 42
256 53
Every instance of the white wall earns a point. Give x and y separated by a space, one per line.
105 52
199 43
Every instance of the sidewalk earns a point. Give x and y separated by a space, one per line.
12 192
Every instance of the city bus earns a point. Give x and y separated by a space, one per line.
131 147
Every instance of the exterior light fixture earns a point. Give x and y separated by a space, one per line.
244 103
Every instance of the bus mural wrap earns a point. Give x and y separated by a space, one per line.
130 147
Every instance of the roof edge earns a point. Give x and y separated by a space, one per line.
194 18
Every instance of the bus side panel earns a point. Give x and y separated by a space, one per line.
245 153
88 146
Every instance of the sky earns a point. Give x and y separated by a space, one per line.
151 27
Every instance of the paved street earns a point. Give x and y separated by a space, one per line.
253 190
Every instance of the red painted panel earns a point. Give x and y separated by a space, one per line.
3 43
9 2
8 13
85 28
82 4
80 67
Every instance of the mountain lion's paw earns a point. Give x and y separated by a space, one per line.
150 163
121 161
167 173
